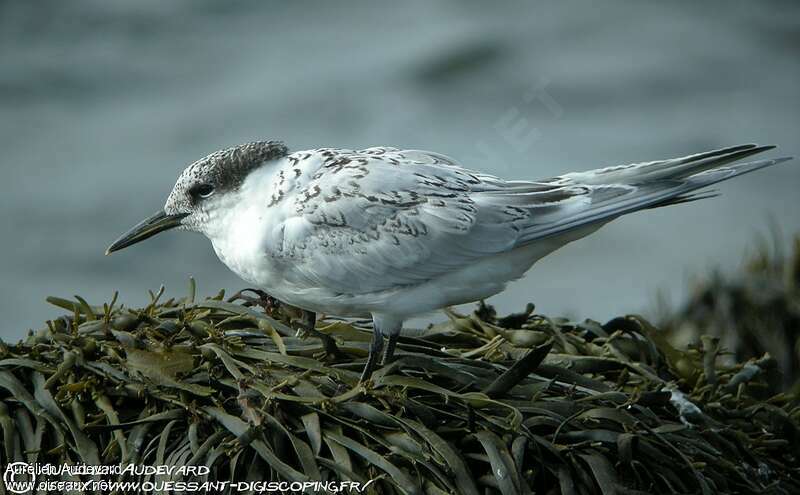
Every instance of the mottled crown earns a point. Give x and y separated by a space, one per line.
225 170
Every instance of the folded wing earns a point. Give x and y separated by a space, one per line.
373 219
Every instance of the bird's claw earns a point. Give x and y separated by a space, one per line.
263 300
307 328
305 323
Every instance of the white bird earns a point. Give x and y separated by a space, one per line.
388 233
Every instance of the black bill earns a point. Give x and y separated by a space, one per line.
146 229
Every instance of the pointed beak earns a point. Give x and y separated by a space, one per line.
146 229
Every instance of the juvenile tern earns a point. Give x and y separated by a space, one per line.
389 233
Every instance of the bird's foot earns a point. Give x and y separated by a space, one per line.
269 304
307 328
303 320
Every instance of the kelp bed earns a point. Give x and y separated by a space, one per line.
476 405
754 311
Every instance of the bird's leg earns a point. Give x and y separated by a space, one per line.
388 353
381 324
268 303
307 323
307 319
375 347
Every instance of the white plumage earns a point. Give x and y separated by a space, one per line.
391 233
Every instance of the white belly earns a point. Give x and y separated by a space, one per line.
251 247
477 281
247 254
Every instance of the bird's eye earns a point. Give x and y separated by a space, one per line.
202 191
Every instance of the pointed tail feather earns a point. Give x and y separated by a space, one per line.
713 176
675 168
643 186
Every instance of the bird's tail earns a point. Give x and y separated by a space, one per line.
687 174
671 169
604 194
718 172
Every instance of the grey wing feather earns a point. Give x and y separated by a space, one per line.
615 191
388 217
382 217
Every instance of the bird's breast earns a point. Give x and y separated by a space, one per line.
244 243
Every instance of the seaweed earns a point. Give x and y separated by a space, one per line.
752 312
475 405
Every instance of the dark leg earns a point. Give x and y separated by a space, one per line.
375 347
268 303
308 320
389 351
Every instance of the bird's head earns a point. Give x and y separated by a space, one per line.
202 190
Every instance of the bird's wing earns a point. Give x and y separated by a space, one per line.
379 218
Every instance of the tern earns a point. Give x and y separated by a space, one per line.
387 233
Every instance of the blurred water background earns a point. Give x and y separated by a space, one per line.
103 103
